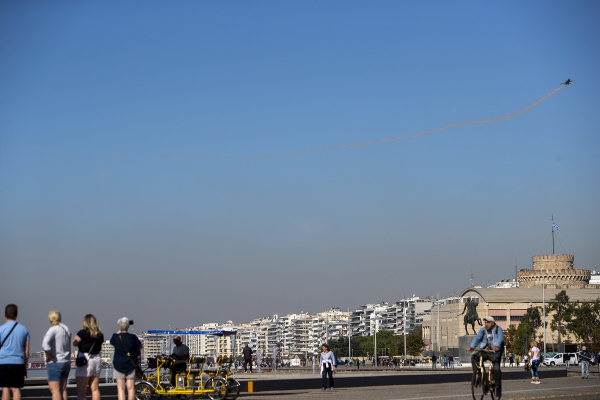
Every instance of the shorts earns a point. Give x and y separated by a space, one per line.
93 367
124 375
12 375
57 371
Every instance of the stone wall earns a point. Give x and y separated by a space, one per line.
554 270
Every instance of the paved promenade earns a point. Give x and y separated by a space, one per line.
567 388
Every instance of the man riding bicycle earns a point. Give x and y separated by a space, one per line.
489 337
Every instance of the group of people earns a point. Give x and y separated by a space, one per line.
445 361
57 342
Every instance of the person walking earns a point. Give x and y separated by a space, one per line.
328 365
585 357
89 339
57 349
433 361
14 354
127 349
534 357
247 358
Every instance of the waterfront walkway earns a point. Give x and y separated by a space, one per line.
294 380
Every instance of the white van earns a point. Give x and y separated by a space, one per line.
561 359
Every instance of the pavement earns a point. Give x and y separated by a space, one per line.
564 388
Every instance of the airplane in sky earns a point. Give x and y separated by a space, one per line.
568 82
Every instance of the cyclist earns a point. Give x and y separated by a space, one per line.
489 337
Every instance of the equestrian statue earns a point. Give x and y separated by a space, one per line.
471 316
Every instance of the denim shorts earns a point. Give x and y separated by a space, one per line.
57 371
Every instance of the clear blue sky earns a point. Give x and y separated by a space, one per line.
124 129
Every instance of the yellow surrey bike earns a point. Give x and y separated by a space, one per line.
195 381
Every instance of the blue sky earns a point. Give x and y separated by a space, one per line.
125 130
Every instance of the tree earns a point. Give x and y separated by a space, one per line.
414 342
510 338
584 323
523 337
562 313
533 318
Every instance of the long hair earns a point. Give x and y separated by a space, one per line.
91 325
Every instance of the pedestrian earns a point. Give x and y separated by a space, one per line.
518 359
585 357
511 359
127 349
328 365
14 354
534 356
57 349
445 361
89 340
433 361
451 361
247 358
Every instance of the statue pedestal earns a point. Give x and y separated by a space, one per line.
463 343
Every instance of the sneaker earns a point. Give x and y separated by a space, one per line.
582 377
323 389
537 382
331 389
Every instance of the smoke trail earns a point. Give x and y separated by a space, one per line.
345 146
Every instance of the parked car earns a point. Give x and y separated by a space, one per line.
561 359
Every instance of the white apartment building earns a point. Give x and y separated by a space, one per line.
297 335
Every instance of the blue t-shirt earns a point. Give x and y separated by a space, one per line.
13 350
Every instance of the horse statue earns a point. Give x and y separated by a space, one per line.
471 316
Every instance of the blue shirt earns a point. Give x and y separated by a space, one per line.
13 350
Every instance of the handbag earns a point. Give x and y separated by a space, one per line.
83 361
138 372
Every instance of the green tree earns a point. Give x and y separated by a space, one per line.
562 313
533 318
522 338
414 342
510 338
584 323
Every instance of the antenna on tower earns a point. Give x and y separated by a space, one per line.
471 280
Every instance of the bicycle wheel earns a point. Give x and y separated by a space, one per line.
477 386
144 391
217 387
233 389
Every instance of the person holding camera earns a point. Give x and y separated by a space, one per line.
127 350
88 361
